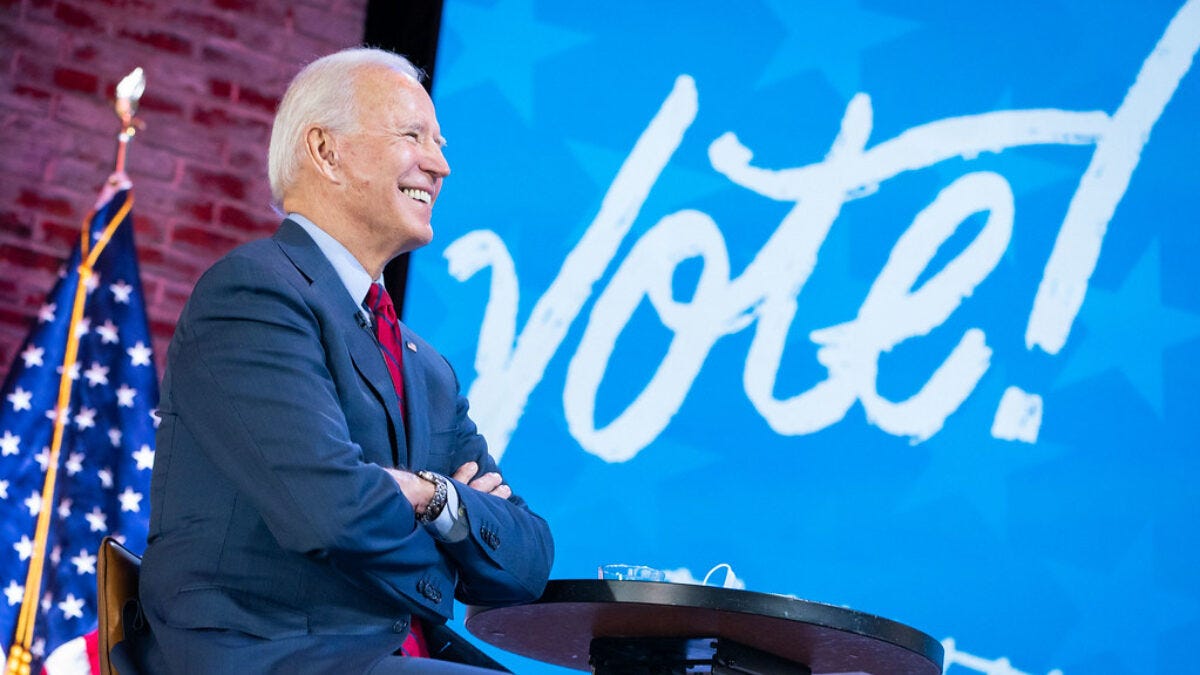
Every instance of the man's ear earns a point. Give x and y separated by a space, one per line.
321 149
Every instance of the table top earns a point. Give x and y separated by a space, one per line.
558 628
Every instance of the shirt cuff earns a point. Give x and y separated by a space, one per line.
443 526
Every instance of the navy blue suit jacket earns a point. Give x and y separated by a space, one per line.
273 525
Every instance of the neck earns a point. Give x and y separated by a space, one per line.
334 223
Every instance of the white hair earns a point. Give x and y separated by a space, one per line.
321 95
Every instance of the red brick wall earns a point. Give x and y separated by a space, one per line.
215 70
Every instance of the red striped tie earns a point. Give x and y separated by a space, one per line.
387 329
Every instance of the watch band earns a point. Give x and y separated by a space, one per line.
438 502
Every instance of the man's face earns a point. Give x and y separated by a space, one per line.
393 164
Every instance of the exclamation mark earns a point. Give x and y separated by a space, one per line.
1077 249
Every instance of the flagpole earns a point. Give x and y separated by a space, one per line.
129 91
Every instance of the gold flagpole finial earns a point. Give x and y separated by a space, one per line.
129 92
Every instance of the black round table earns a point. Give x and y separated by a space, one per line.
578 623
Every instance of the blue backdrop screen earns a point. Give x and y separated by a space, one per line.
891 305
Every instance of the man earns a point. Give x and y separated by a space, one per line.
290 530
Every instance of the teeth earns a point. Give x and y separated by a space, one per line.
419 195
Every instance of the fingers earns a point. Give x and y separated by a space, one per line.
491 483
466 472
493 487
487 482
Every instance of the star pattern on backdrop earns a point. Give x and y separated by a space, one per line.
639 520
816 39
1131 604
961 506
484 56
965 469
1129 329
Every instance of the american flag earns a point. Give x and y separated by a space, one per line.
107 447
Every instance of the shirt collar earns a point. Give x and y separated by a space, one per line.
354 277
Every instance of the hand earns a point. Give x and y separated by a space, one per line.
417 490
491 483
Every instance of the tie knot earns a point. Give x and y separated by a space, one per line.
380 303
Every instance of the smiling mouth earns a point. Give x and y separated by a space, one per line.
419 195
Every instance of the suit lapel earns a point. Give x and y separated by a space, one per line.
360 340
368 360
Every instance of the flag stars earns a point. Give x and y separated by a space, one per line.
56 414
144 457
85 563
109 334
46 312
97 374
9 444
139 354
33 356
24 548
72 607
34 503
74 371
155 417
14 592
130 500
103 373
125 396
121 291
86 419
97 521
21 399
74 463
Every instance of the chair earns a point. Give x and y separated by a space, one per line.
117 572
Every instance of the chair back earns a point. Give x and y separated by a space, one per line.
117 572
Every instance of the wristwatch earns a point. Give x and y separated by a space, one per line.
438 502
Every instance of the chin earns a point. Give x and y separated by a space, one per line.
426 235
416 240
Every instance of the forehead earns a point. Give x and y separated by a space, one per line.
388 97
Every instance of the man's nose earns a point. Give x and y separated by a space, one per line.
435 162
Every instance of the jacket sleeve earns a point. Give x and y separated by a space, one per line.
508 552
